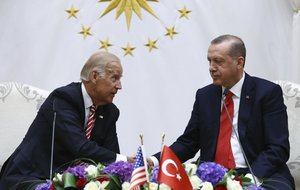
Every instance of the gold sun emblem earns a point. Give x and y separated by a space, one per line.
128 6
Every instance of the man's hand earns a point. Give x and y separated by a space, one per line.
150 162
130 159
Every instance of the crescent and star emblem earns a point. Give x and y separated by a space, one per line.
166 172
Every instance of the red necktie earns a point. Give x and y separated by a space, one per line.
90 122
224 154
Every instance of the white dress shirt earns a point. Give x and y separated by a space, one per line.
236 150
235 146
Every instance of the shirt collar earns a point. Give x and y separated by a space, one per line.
237 88
86 98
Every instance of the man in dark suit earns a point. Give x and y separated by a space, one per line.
101 80
259 120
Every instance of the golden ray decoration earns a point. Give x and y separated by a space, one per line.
151 44
105 44
184 13
128 6
128 49
171 32
72 12
85 31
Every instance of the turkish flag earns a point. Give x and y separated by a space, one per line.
171 171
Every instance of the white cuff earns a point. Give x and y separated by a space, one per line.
258 181
154 160
121 158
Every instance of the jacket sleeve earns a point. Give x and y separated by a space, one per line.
274 135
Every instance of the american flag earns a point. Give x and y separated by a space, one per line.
139 174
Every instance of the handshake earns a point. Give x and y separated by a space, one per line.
150 161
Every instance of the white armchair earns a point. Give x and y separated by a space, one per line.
19 104
291 95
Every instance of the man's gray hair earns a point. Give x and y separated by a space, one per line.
97 62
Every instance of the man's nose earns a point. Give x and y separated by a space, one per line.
212 67
119 85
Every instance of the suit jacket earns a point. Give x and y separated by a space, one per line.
32 157
262 127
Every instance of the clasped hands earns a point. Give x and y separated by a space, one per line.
131 159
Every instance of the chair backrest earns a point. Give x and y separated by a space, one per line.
291 95
19 104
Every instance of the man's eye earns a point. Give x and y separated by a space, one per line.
218 61
115 78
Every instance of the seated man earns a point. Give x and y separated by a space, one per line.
252 133
85 126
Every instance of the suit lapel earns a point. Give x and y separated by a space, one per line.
80 102
99 128
216 115
246 104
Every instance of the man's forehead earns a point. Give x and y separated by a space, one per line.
218 49
114 65
115 69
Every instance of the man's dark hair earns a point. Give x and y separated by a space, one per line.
237 46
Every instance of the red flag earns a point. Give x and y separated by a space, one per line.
171 171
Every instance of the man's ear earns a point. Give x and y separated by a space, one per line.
93 76
241 62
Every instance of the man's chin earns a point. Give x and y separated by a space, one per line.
217 82
110 100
